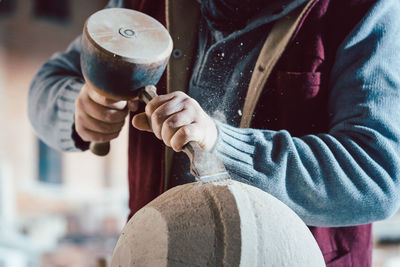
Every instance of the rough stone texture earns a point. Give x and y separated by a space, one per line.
199 225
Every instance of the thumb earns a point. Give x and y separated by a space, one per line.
140 122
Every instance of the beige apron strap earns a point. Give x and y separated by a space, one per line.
182 23
273 48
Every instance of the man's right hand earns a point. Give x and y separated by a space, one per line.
97 118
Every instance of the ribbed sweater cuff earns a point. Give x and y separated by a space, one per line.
235 147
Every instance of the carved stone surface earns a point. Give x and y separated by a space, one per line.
219 224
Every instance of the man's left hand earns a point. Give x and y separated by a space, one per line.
177 119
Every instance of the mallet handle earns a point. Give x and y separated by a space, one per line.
100 149
146 94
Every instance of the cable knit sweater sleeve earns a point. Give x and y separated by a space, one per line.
51 100
52 95
349 175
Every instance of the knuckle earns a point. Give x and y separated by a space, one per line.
79 102
102 100
173 121
84 134
97 138
167 108
108 116
105 128
79 121
120 125
111 128
114 116
117 127
92 94
149 108
101 139
178 120
186 131
166 132
78 129
175 147
114 135
82 93
157 98
174 144
86 138
157 117
189 102
166 138
178 94
155 124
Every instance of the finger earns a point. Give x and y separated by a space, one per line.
156 102
172 125
104 101
184 135
96 125
166 110
140 122
100 112
161 99
91 136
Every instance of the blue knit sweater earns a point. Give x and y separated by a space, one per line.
357 163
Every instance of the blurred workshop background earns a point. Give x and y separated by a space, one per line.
55 209
59 210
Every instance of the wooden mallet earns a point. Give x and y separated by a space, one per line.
124 53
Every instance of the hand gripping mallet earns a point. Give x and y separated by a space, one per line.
124 53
